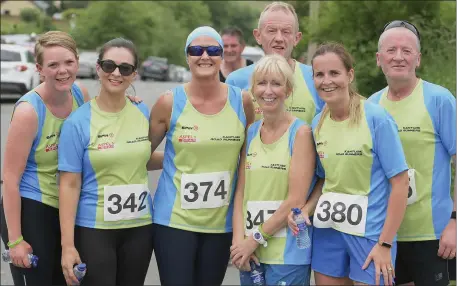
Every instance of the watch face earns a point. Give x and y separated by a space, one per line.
257 235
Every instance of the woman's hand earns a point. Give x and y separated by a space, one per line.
70 257
240 253
382 259
19 254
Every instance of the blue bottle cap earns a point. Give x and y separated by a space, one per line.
34 261
81 267
296 211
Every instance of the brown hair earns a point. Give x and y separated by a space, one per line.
234 32
355 111
120 43
52 39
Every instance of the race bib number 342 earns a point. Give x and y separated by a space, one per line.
125 202
204 191
347 213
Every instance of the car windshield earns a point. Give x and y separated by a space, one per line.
10 56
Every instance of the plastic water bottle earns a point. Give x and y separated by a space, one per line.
33 259
257 276
303 240
79 271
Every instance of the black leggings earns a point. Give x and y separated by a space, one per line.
41 229
191 258
115 256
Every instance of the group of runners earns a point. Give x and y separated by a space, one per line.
372 177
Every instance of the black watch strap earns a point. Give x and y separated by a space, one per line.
453 215
385 244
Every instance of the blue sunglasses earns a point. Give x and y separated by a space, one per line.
197 51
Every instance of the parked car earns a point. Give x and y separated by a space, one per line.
18 71
176 73
155 68
87 63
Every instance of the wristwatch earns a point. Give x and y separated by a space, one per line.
385 244
259 237
453 215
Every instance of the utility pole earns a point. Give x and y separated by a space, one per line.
313 26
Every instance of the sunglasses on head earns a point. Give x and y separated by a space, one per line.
197 51
109 66
401 23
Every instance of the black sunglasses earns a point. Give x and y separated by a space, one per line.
197 51
401 23
109 66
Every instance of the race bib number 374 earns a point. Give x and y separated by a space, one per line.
125 202
203 191
347 213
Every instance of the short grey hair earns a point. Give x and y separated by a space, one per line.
279 6
381 38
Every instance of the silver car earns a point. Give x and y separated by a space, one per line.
87 62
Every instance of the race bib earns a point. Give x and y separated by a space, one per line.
347 213
412 193
259 212
205 191
125 202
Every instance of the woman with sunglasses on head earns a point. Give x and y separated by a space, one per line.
204 122
361 205
29 213
103 157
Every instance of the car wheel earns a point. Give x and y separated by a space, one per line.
143 78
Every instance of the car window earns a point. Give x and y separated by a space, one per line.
30 58
10 56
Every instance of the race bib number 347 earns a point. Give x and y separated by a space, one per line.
204 191
259 212
125 202
347 213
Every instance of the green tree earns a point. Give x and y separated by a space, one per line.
149 25
30 15
358 25
233 13
190 14
73 5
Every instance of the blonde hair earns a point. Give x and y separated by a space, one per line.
274 65
52 39
279 6
355 109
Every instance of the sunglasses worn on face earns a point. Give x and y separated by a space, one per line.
405 24
109 66
197 51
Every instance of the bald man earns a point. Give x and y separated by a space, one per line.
426 118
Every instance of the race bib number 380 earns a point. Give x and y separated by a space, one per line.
347 213
125 202
204 191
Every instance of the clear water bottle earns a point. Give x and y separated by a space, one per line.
257 275
303 239
79 271
33 259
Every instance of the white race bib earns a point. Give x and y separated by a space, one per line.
259 212
205 191
412 193
347 213
125 202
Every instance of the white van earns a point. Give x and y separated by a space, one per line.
252 53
